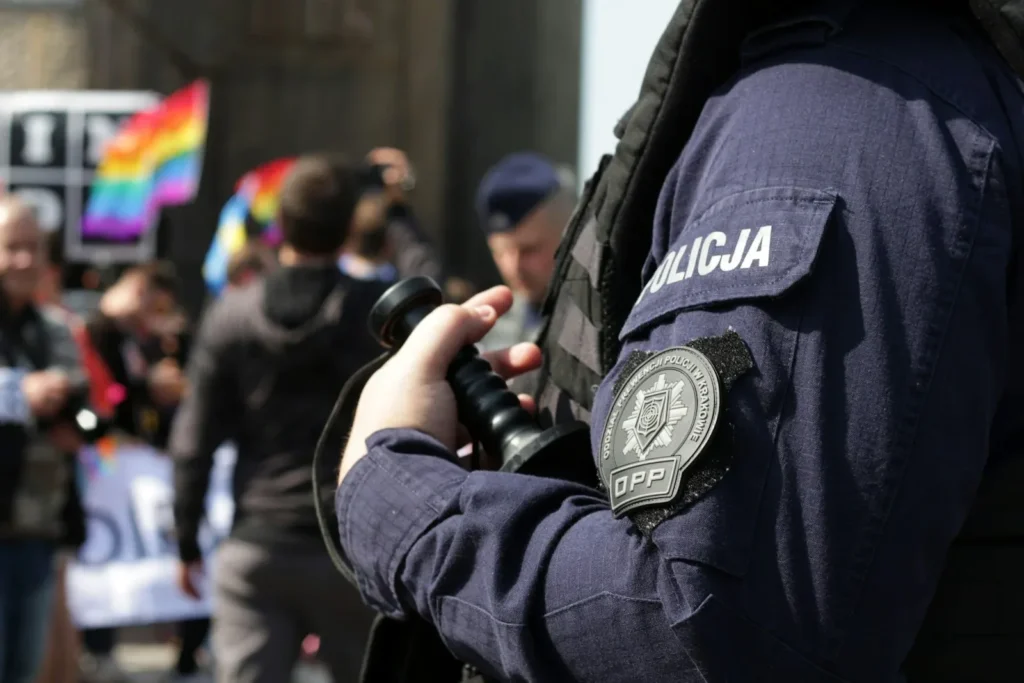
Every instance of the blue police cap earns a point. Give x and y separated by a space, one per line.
513 188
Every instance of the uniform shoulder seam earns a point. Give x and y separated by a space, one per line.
933 86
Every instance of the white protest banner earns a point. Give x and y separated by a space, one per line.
125 573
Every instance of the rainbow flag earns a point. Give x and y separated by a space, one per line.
155 160
256 196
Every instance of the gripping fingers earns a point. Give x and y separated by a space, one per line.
499 298
432 345
515 360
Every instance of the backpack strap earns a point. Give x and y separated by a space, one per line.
327 457
396 651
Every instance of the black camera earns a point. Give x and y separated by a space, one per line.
86 421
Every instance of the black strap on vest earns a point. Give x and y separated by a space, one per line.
396 652
327 457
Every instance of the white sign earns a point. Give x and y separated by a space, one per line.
125 573
51 142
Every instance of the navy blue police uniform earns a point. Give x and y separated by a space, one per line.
847 210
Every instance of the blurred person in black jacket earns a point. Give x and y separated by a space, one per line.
268 363
143 339
60 663
135 315
40 376
397 234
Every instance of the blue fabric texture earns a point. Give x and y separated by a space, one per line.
848 209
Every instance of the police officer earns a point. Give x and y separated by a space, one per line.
820 368
523 205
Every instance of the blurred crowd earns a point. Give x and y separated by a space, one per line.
132 363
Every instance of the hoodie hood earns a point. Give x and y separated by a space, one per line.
310 314
302 307
294 296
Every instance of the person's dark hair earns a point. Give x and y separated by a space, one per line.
316 203
161 276
253 257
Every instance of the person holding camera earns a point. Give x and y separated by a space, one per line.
41 383
385 233
386 243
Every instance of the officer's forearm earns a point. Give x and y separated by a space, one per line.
527 578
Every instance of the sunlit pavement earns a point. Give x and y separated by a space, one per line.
152 663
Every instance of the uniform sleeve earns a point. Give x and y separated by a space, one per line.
508 567
205 419
845 216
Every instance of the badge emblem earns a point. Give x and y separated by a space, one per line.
662 418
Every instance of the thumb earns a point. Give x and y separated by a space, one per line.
432 345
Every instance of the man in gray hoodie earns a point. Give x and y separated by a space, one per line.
265 370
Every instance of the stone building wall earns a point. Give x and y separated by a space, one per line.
43 48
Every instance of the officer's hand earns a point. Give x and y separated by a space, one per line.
411 391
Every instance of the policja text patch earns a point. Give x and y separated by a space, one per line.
660 448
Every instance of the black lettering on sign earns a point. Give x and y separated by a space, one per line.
38 139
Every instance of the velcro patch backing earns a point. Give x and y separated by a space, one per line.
701 464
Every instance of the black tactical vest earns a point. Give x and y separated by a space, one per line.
598 279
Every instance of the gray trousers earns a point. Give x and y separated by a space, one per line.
266 602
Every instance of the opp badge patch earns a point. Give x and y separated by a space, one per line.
662 418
